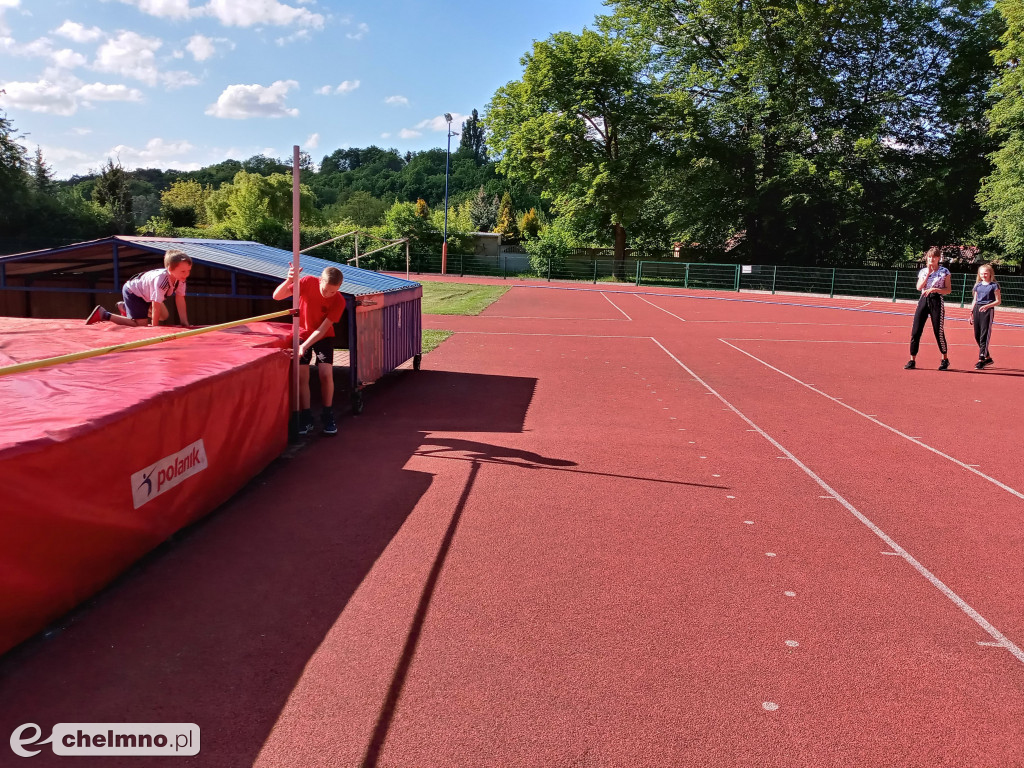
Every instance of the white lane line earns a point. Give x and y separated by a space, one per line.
677 317
845 341
567 335
916 440
958 601
532 317
616 306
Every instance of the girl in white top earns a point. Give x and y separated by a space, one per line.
934 282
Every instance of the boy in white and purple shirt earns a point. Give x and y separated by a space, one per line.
145 293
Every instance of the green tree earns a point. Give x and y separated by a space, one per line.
1002 193
506 223
483 211
361 208
580 124
13 177
42 175
112 191
184 203
529 224
473 139
805 125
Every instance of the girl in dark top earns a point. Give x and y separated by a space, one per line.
987 297
934 282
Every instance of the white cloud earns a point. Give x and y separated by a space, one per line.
80 131
43 48
4 6
313 141
130 54
68 59
201 48
346 86
401 100
440 124
407 133
168 9
178 79
58 93
77 32
385 135
239 102
105 92
246 13
362 29
302 34
157 153
48 96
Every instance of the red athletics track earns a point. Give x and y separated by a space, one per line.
677 532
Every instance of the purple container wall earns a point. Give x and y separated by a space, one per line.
388 332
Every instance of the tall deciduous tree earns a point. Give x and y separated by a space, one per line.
1002 193
184 203
473 139
580 124
809 114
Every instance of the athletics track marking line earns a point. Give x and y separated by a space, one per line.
568 335
677 317
847 341
1001 641
749 301
917 441
617 306
529 317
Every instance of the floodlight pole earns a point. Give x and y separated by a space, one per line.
293 431
447 158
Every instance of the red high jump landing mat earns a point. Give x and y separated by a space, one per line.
104 458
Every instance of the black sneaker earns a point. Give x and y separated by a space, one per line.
910 364
979 365
944 365
306 422
330 427
98 315
987 362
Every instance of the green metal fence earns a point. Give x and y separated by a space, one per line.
891 284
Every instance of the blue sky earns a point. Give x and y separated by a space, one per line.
187 83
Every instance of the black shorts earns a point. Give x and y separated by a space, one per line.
324 351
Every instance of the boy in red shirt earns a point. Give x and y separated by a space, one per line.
320 307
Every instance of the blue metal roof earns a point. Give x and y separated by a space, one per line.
266 261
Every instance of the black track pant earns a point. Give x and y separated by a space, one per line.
983 330
930 305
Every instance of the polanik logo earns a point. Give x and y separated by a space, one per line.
170 471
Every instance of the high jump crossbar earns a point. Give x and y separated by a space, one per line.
74 356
